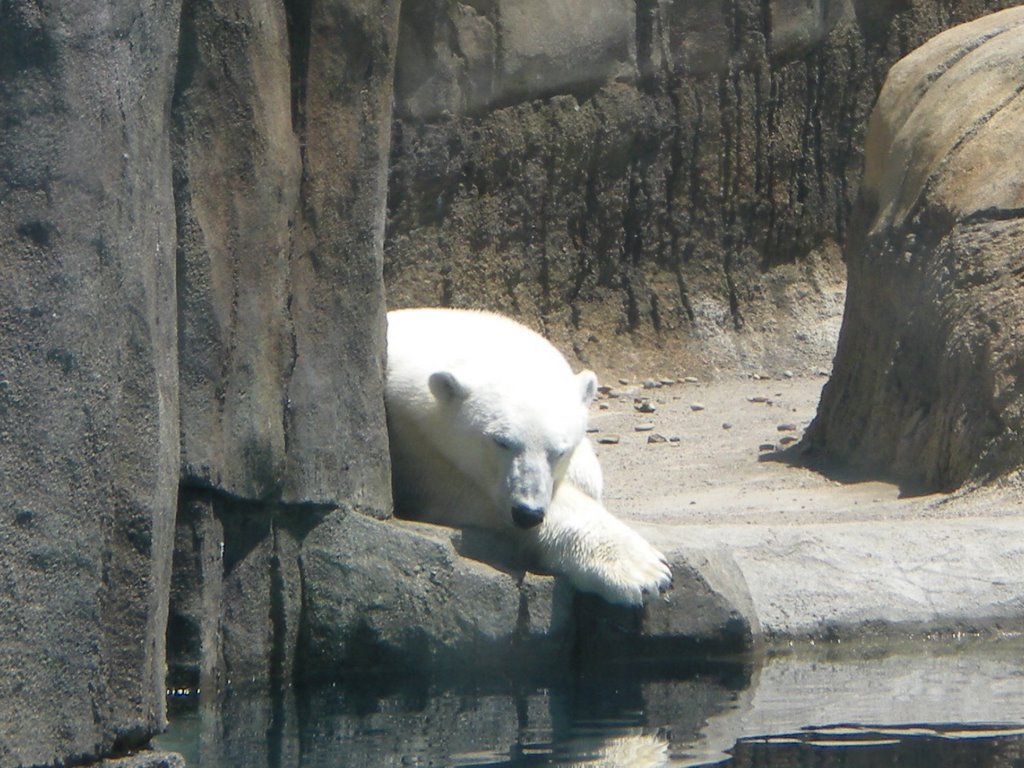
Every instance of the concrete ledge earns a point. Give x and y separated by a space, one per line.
854 579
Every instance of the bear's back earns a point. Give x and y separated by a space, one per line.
469 343
508 367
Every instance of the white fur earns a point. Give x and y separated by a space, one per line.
487 425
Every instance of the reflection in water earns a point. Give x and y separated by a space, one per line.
922 706
914 747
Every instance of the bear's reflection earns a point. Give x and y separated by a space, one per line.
585 720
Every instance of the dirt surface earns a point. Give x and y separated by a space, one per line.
720 460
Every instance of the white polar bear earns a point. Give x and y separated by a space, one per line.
487 426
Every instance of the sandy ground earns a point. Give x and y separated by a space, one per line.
718 462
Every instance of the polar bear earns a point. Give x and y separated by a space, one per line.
487 426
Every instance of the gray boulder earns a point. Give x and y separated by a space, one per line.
389 598
926 383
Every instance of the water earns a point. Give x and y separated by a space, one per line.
925 704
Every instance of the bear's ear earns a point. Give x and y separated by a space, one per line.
446 387
587 381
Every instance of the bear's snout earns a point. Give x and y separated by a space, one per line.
526 516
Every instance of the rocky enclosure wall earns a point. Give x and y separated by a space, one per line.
281 127
192 204
88 376
627 174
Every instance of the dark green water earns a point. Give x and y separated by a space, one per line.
925 706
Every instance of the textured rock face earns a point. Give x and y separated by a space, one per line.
88 378
637 195
926 383
470 56
205 186
282 125
389 598
280 277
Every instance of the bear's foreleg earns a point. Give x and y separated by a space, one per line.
585 470
596 551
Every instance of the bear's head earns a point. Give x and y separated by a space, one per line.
514 436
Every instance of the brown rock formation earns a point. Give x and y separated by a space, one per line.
282 124
927 380
210 192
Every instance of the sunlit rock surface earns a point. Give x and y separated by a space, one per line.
927 380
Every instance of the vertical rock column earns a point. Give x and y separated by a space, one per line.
88 375
282 127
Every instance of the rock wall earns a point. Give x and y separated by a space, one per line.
282 119
281 317
927 379
88 375
202 185
628 175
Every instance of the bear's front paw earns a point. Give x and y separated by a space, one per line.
628 568
597 552
608 559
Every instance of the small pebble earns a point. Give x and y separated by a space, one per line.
608 440
787 440
675 439
690 379
644 406
786 427
758 399
696 406
726 425
656 439
766 447
592 430
623 381
645 426
667 382
603 406
788 374
652 384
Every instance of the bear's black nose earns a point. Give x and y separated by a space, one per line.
525 516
